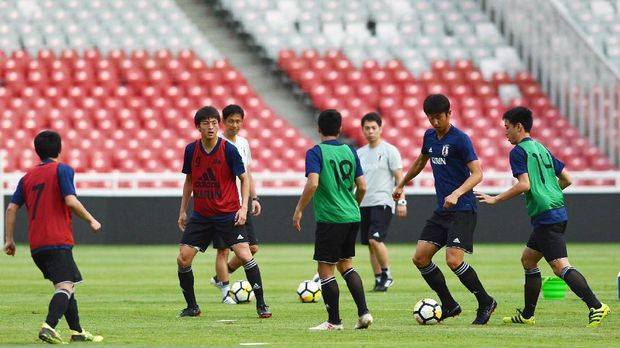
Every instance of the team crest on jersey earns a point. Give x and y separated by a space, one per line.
444 150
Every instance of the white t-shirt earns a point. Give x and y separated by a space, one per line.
243 147
378 164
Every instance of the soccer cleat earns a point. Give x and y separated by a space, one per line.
519 319
327 326
388 282
596 316
364 322
49 335
228 300
263 311
484 314
189 312
85 336
215 282
448 313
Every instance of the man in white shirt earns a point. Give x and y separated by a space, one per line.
382 166
233 120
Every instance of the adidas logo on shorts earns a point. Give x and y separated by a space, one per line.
239 237
456 240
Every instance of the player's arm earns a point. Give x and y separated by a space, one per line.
9 228
522 185
401 209
187 193
474 179
255 203
564 179
360 189
312 183
245 195
413 171
78 209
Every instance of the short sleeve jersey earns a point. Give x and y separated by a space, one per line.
378 165
544 200
43 189
449 157
216 197
338 166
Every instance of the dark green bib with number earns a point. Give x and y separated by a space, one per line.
334 199
545 192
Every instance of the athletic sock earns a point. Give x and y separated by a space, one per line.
356 288
435 279
225 288
252 272
72 316
578 284
57 307
377 278
331 297
186 280
467 275
531 291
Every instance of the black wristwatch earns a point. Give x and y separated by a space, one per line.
256 199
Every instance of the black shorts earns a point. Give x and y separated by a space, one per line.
549 240
334 242
199 234
375 223
58 265
218 241
453 229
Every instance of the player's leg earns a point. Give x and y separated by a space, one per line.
356 288
235 262
78 334
531 288
186 279
365 213
222 278
380 219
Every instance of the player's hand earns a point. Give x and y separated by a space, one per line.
241 216
256 208
484 198
9 248
182 221
450 201
95 226
401 211
297 221
398 192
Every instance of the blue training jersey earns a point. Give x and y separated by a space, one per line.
449 157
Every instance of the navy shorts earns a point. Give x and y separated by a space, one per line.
334 242
58 265
200 234
549 240
218 241
375 223
453 229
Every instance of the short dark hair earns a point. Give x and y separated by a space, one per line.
205 113
329 122
436 104
372 117
231 110
520 114
47 144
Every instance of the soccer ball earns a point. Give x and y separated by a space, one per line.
241 291
427 312
309 291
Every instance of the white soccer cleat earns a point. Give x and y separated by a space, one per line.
364 322
228 300
327 326
215 283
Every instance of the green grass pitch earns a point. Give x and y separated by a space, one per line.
131 296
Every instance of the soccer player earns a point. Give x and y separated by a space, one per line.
233 120
333 174
456 170
541 177
383 168
49 195
211 166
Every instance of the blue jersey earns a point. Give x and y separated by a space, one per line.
314 159
449 157
518 164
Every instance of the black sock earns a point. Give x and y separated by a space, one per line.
467 275
385 274
531 291
580 287
331 298
435 279
186 280
356 288
72 316
252 272
231 270
57 307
